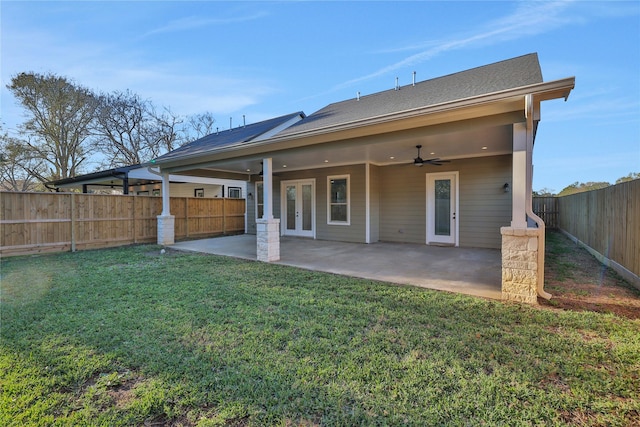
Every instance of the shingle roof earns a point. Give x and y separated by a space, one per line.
508 74
229 137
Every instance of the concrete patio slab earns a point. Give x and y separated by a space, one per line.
463 270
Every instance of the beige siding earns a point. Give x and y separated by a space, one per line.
374 201
355 232
403 203
398 201
251 204
484 206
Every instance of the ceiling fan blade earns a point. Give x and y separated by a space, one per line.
436 161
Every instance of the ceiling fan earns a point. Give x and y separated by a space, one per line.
418 161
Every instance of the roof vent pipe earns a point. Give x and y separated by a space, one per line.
230 126
414 78
397 87
244 121
217 131
358 96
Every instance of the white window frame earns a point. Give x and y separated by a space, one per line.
348 178
234 192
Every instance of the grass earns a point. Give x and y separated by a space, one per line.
128 337
558 248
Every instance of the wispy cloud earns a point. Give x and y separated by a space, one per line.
195 22
530 18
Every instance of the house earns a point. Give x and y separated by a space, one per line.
446 161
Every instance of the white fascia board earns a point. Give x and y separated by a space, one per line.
143 173
202 180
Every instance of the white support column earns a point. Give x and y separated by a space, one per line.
523 247
268 227
519 176
267 176
166 221
367 202
166 197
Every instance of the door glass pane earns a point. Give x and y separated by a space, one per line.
306 207
291 207
443 207
259 200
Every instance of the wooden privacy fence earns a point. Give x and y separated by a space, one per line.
41 222
607 221
547 209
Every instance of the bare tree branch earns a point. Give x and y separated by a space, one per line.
59 124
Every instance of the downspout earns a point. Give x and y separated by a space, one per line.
165 190
528 202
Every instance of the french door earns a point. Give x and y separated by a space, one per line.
298 208
442 208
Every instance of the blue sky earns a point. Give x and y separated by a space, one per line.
264 59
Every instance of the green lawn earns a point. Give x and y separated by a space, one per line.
128 337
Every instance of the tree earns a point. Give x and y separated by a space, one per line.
199 125
122 127
19 170
129 130
544 192
630 177
579 187
166 132
60 114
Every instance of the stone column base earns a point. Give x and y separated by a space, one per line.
166 229
268 239
520 264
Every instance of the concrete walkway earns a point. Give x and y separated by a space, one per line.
462 270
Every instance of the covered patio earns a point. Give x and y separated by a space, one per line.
468 271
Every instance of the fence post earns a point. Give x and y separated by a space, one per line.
224 216
135 234
73 222
186 216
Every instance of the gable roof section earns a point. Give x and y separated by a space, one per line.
512 73
231 137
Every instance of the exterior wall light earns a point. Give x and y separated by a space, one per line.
505 187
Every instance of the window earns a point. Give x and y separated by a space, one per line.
235 192
259 200
338 210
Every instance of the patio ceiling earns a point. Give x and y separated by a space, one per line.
382 149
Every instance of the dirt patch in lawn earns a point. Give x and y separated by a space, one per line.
578 281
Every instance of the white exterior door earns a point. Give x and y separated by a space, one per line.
298 208
442 208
